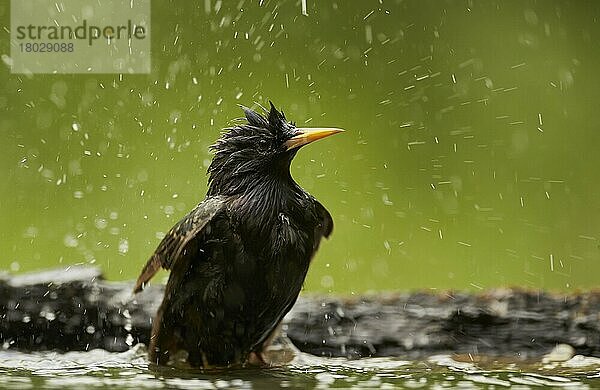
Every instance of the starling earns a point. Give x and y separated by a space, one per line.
239 258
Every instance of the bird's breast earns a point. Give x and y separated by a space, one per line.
279 244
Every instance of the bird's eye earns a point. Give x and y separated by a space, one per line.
263 144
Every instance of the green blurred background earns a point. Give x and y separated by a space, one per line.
469 161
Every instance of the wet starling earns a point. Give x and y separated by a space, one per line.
238 260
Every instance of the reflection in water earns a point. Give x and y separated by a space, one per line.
130 369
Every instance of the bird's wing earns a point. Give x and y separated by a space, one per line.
171 246
326 226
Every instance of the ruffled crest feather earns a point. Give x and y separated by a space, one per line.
238 152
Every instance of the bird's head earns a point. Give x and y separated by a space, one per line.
264 146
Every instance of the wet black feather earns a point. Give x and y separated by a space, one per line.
239 259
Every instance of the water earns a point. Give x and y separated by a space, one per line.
101 369
468 161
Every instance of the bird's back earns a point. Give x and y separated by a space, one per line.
238 260
237 278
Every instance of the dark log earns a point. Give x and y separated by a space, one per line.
75 309
503 322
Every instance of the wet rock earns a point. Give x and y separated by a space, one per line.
75 309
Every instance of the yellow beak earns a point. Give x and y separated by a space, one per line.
308 135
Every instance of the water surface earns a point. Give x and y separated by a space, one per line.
101 369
